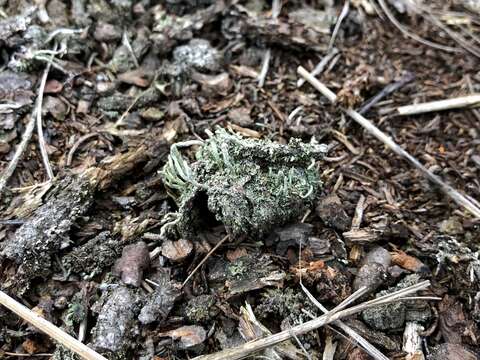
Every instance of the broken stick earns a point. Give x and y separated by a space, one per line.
376 132
27 135
48 328
455 103
251 347
321 65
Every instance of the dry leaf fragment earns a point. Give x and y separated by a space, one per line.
136 77
233 255
240 116
189 336
243 70
245 131
218 106
213 84
408 262
177 250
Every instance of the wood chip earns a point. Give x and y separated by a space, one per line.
177 250
361 236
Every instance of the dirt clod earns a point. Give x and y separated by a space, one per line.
135 259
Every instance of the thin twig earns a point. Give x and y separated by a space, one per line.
330 348
305 352
468 80
387 90
245 350
41 139
349 300
7 108
412 341
265 64
411 35
357 218
48 328
119 122
12 165
7 353
205 259
426 12
82 329
27 135
362 342
276 9
376 132
321 65
77 144
455 103
126 43
341 17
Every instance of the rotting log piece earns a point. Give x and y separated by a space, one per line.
46 232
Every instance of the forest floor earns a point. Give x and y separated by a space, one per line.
143 249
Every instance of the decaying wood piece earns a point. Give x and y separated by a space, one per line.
448 104
361 236
177 250
43 234
376 132
115 319
49 329
157 305
412 342
15 25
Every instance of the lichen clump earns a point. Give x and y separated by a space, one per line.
248 185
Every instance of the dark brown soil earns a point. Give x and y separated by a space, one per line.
136 77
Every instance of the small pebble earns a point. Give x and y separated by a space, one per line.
197 54
135 258
378 255
372 276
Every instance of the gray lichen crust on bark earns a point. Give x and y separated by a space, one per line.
39 238
47 231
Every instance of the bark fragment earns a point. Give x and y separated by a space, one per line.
115 320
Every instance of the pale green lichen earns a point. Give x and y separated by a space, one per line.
248 185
